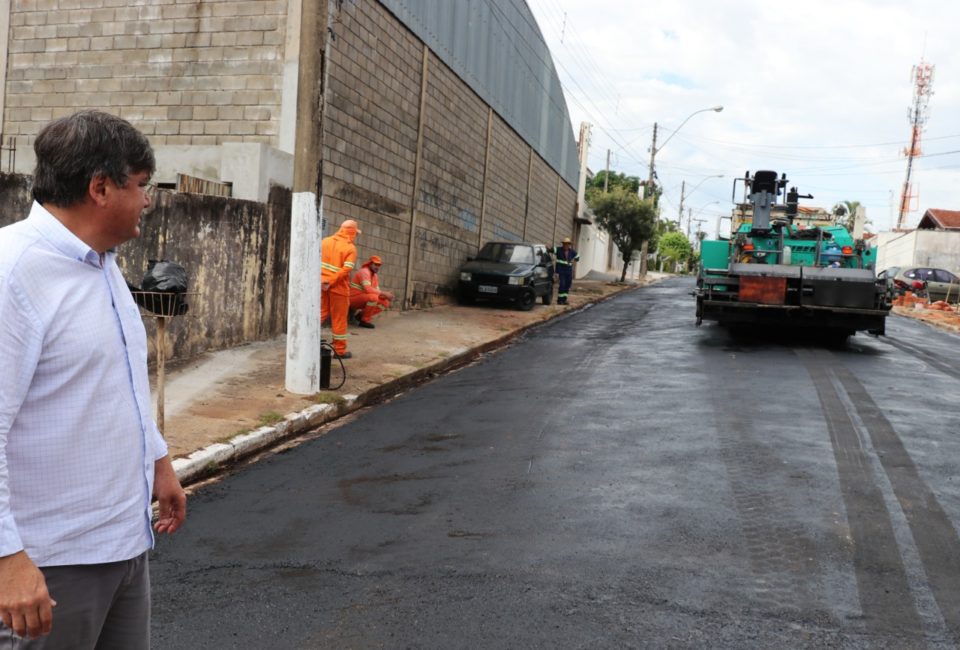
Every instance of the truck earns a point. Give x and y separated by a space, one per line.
784 266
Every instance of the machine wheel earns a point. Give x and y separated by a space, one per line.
526 300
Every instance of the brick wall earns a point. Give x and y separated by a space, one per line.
183 73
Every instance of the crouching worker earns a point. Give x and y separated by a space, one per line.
366 298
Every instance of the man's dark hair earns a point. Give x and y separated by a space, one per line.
74 149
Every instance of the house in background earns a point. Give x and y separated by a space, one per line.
935 242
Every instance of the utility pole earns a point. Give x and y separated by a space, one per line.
699 221
306 214
606 176
648 190
583 145
683 188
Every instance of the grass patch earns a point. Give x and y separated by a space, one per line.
327 397
270 417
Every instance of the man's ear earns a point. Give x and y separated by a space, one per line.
97 189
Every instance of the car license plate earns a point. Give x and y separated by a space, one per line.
486 288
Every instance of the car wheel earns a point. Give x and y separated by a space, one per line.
547 298
526 300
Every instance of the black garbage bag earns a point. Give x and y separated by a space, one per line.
162 289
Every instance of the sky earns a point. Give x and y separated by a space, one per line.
819 90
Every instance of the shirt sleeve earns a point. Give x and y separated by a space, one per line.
20 344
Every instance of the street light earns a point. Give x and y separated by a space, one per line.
654 149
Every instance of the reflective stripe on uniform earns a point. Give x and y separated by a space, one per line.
563 262
348 265
339 337
356 286
330 267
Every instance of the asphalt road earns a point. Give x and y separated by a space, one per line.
615 479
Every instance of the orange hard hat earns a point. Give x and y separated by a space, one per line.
374 259
350 224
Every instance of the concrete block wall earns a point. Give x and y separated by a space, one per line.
542 210
201 77
199 73
506 202
376 140
450 191
370 134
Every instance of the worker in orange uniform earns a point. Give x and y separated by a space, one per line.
366 298
338 256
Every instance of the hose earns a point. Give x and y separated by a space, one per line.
343 369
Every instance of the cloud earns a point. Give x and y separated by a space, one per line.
817 89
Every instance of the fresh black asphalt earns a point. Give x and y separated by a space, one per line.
615 479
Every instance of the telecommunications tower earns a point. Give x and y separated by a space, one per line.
922 75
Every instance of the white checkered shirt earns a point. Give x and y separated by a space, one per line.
77 441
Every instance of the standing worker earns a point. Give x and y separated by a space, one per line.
366 298
566 257
80 453
338 256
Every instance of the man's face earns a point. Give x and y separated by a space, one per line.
375 268
122 219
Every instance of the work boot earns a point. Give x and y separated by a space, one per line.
363 323
346 355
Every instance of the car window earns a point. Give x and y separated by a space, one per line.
910 273
945 276
499 252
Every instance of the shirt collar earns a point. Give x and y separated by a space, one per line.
60 237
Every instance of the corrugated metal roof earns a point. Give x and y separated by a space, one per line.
937 218
496 47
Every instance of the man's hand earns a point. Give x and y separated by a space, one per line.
171 499
25 604
387 295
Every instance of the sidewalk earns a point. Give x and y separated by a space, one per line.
228 404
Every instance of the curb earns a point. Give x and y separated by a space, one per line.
210 460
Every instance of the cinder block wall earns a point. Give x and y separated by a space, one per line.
434 182
421 161
182 72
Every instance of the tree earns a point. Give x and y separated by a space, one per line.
629 219
630 183
675 247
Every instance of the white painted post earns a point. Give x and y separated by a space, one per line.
303 296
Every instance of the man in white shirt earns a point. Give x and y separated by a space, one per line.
80 454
